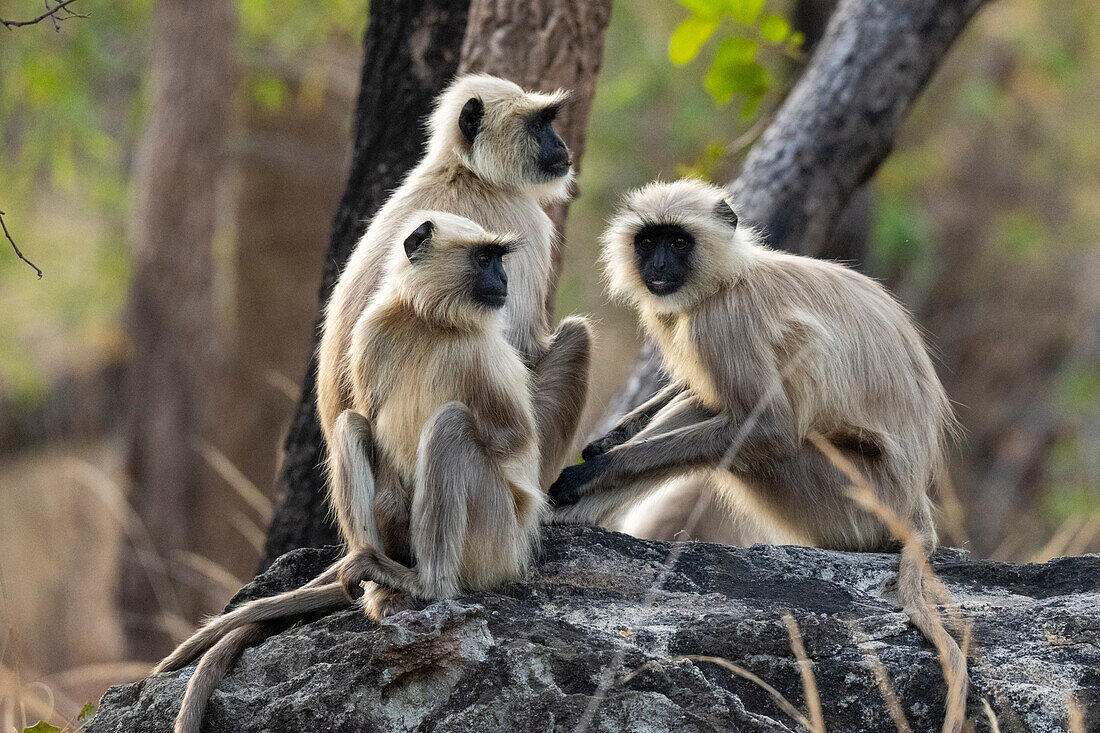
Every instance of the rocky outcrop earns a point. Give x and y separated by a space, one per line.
550 653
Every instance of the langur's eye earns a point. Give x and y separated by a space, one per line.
647 242
679 243
482 260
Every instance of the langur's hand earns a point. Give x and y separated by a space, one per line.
602 445
576 481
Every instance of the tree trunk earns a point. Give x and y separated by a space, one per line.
177 350
833 130
411 51
538 45
547 45
292 163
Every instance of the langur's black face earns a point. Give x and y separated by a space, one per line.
489 286
553 156
663 254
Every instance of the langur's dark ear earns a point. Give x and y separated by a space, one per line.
725 213
469 119
414 243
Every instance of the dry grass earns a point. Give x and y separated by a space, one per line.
882 681
952 657
809 684
783 703
1075 714
994 726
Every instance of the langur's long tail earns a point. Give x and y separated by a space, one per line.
323 593
212 668
922 612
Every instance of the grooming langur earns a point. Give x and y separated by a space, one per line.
441 434
768 351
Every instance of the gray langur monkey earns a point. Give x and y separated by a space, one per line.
492 156
769 351
440 432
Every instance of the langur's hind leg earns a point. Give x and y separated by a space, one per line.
353 482
560 392
451 465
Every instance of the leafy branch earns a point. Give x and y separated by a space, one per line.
59 12
735 68
16 248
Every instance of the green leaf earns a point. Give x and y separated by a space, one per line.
774 28
689 37
751 105
269 92
744 11
42 727
86 713
735 71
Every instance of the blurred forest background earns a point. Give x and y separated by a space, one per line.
985 221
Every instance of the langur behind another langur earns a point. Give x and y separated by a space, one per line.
769 351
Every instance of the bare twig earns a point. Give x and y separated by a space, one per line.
8 235
51 13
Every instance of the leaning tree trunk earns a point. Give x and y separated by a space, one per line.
833 131
177 351
411 51
543 44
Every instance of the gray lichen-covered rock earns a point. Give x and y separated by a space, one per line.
550 653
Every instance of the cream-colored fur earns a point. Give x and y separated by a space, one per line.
769 352
437 459
494 183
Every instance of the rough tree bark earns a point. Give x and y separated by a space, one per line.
543 44
411 51
176 351
833 130
537 44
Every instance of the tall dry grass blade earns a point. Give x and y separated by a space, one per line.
1010 548
805 670
1075 714
882 681
994 726
784 704
30 699
283 384
212 571
111 672
111 495
252 532
954 516
1084 538
914 558
1057 545
235 478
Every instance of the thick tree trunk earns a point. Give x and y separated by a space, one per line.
834 129
547 45
177 350
411 51
538 45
